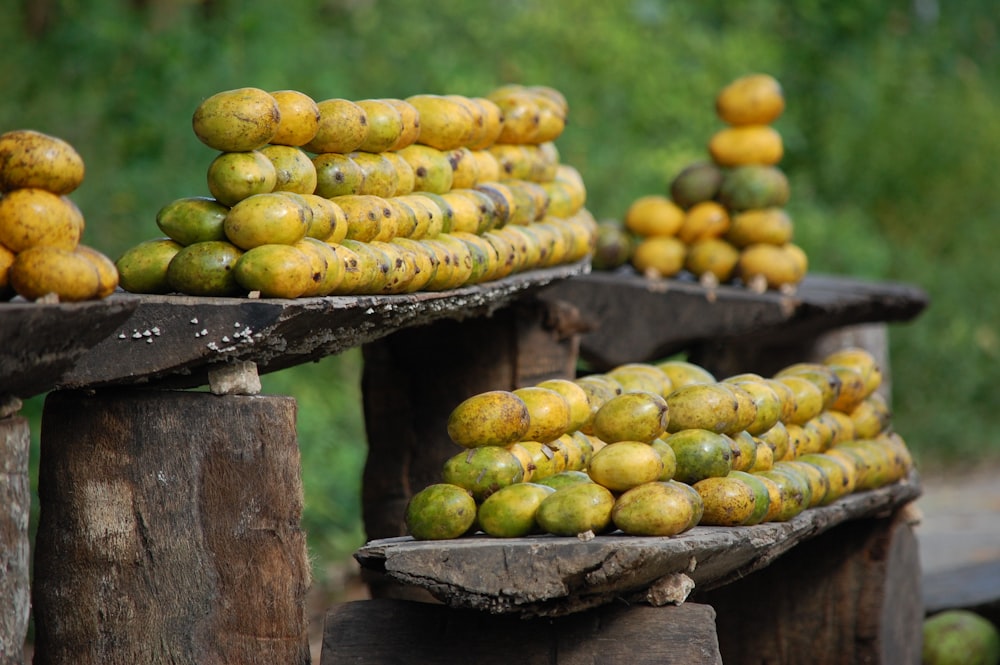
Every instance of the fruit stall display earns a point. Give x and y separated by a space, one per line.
724 218
342 197
654 449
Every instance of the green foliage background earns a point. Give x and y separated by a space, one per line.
891 130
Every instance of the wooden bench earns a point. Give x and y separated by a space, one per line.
151 516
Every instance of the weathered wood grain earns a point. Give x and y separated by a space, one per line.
434 635
15 508
553 576
973 587
678 315
169 531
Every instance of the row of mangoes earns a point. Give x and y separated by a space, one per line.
41 228
657 448
724 220
396 198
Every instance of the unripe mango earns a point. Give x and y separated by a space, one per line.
440 511
577 509
482 470
510 511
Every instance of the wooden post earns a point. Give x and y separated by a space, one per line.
436 635
850 595
15 507
169 530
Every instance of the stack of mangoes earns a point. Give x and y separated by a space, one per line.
725 218
41 256
342 197
654 449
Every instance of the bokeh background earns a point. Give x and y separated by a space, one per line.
892 131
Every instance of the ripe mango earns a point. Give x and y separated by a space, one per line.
754 99
265 219
445 123
772 226
31 217
237 120
32 159
277 271
548 413
838 472
746 144
744 450
565 479
411 122
807 398
491 418
762 496
510 511
821 375
298 118
385 125
682 373
654 509
575 396
777 438
638 377
767 403
793 490
337 175
709 406
440 511
234 176
380 177
622 465
816 476
728 500
343 127
42 270
667 456
631 416
483 470
654 215
576 509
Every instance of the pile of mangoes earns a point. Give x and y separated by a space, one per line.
654 449
41 255
341 197
724 220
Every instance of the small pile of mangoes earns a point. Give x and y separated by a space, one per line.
376 196
654 449
725 218
41 256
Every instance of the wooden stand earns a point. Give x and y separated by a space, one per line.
434 635
15 507
170 525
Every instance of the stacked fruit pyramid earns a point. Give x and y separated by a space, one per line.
654 449
376 196
725 218
41 256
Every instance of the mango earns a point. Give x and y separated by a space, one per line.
143 267
860 359
192 219
816 476
806 396
42 270
622 465
772 226
820 374
754 99
568 447
565 479
266 219
682 373
712 256
439 512
744 450
294 169
410 118
276 271
32 159
298 118
106 270
700 453
728 500
206 269
777 438
432 171
746 144
793 489
654 509
380 176
762 266
659 256
708 406
548 413
695 183
482 470
337 175
237 120
653 215
32 217
767 404
762 496
544 459
234 176
491 418
577 509
632 416
385 125
510 511
753 186
638 377
959 637
343 127
667 456
838 472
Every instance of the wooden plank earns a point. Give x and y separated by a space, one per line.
850 595
39 343
553 576
172 340
169 530
973 587
435 635
15 508
677 315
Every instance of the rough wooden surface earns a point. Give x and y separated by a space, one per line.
173 340
39 343
390 632
169 531
973 587
15 508
849 596
414 378
680 315
553 576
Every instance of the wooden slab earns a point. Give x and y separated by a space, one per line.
39 342
172 340
677 314
973 587
553 576
357 633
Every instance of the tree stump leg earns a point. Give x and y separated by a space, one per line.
436 635
15 509
170 530
849 596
